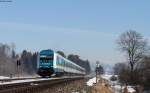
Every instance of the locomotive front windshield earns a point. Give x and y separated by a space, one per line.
46 59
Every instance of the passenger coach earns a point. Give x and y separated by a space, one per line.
51 63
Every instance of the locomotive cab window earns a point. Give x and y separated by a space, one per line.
46 59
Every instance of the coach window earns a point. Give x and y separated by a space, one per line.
57 60
63 62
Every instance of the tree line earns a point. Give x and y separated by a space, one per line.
25 63
9 58
136 69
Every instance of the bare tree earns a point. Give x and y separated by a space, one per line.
7 65
118 68
134 45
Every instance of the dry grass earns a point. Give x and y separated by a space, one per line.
102 88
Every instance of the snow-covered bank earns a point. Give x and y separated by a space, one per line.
116 85
15 77
3 77
26 80
91 81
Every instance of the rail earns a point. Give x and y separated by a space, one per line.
34 86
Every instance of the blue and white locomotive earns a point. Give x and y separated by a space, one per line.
51 63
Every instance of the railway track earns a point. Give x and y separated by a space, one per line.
34 86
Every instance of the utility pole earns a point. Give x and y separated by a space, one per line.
96 70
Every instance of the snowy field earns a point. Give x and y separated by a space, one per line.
28 79
4 77
114 84
21 81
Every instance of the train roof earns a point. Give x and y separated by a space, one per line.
48 51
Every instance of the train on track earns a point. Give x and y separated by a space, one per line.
51 63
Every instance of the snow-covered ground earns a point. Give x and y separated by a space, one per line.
3 77
27 79
21 81
116 85
90 82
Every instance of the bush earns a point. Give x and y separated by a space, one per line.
113 78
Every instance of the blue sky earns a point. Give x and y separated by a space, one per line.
88 28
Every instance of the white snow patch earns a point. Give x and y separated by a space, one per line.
26 80
33 84
3 77
15 77
106 76
117 87
130 89
91 81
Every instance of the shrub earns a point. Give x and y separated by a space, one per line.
113 78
